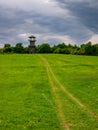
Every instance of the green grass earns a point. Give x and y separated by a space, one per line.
27 99
79 75
25 95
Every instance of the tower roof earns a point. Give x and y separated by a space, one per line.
32 36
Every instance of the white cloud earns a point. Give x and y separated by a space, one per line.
94 39
61 38
54 38
45 7
24 35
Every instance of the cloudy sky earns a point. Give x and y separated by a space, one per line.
51 21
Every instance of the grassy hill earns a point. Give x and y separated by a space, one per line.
48 92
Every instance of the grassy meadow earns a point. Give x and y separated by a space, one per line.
48 92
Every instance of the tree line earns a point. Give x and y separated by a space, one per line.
61 48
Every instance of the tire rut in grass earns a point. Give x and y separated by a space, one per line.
84 107
56 97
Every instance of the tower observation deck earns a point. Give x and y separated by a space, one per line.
32 47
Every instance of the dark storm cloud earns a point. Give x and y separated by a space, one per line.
8 23
63 20
19 22
15 22
85 11
63 26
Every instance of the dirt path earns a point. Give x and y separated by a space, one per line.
53 81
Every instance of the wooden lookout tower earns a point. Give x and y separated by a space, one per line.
32 40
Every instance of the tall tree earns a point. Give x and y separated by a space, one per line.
88 49
7 48
19 48
95 49
44 48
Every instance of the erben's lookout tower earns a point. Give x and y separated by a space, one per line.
32 47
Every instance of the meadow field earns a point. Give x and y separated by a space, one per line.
48 92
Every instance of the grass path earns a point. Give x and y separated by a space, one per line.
56 86
57 100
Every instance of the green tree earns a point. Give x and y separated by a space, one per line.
7 48
26 50
57 50
1 50
53 48
44 48
62 45
19 48
95 49
87 48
